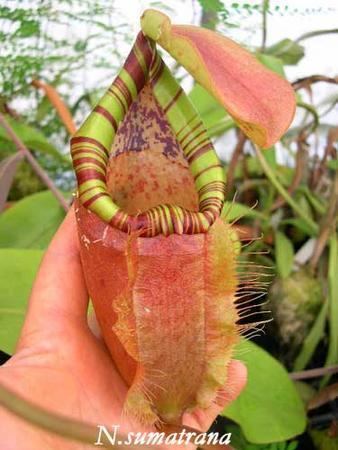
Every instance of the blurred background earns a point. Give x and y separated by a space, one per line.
283 202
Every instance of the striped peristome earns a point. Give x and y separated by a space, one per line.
92 143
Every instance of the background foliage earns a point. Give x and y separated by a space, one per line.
288 195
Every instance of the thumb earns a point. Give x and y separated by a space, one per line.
236 381
59 294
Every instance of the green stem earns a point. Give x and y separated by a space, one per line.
312 111
264 24
283 192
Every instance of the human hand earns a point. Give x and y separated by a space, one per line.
62 365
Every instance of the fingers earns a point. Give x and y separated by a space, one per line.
237 378
59 293
236 381
94 326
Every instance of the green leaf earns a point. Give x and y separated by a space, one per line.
28 28
310 109
332 356
292 446
272 63
332 164
312 339
43 108
17 272
214 116
239 442
323 440
31 222
287 50
205 102
317 203
212 5
80 46
233 210
32 138
300 224
269 409
284 255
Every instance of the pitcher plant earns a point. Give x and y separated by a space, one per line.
159 262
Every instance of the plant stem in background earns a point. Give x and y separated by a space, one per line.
264 24
234 160
314 373
327 225
311 126
32 161
8 167
301 161
283 192
305 82
321 166
315 33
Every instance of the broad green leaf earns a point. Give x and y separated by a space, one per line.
287 50
214 116
32 138
31 222
17 272
269 409
205 102
284 254
220 127
239 442
272 62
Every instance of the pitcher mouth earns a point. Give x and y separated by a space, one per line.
91 150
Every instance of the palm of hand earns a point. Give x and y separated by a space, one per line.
62 366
